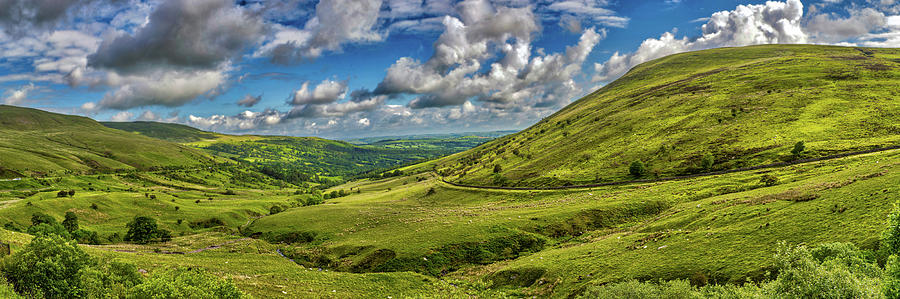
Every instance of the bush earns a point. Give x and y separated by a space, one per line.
497 168
62 193
38 218
186 283
707 162
799 147
50 266
828 271
637 169
275 210
207 223
768 180
71 222
143 230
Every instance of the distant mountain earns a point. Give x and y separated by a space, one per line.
734 107
312 159
39 142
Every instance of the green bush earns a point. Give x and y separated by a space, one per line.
637 169
71 222
707 162
798 149
186 283
768 180
207 223
49 265
143 230
275 210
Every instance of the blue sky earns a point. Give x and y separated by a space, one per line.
355 68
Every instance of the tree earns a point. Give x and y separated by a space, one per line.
71 192
49 265
275 210
637 169
71 222
708 162
143 230
62 193
38 218
890 237
799 147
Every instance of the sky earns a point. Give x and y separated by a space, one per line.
356 68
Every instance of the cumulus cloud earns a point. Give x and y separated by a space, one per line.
452 75
122 116
833 28
769 23
326 92
170 89
17 96
193 34
336 22
19 16
243 121
249 101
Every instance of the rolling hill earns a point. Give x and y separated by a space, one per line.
39 142
737 107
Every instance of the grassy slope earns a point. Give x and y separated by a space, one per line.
744 106
35 141
165 131
722 227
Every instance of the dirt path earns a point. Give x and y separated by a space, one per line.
770 165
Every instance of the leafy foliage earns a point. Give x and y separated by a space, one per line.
143 230
186 283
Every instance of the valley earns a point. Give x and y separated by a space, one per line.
724 173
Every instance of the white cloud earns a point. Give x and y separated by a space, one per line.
17 96
769 23
363 122
326 92
170 89
122 116
453 75
336 22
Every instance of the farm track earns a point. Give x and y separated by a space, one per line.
170 252
681 177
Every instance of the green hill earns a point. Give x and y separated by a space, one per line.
39 142
165 131
739 106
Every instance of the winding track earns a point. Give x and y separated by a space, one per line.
681 177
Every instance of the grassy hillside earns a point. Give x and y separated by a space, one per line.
165 131
739 106
39 142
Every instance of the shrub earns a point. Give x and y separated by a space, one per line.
143 230
49 265
430 191
275 210
186 283
94 206
207 223
62 193
71 192
768 180
637 169
707 162
38 218
71 222
498 168
799 147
